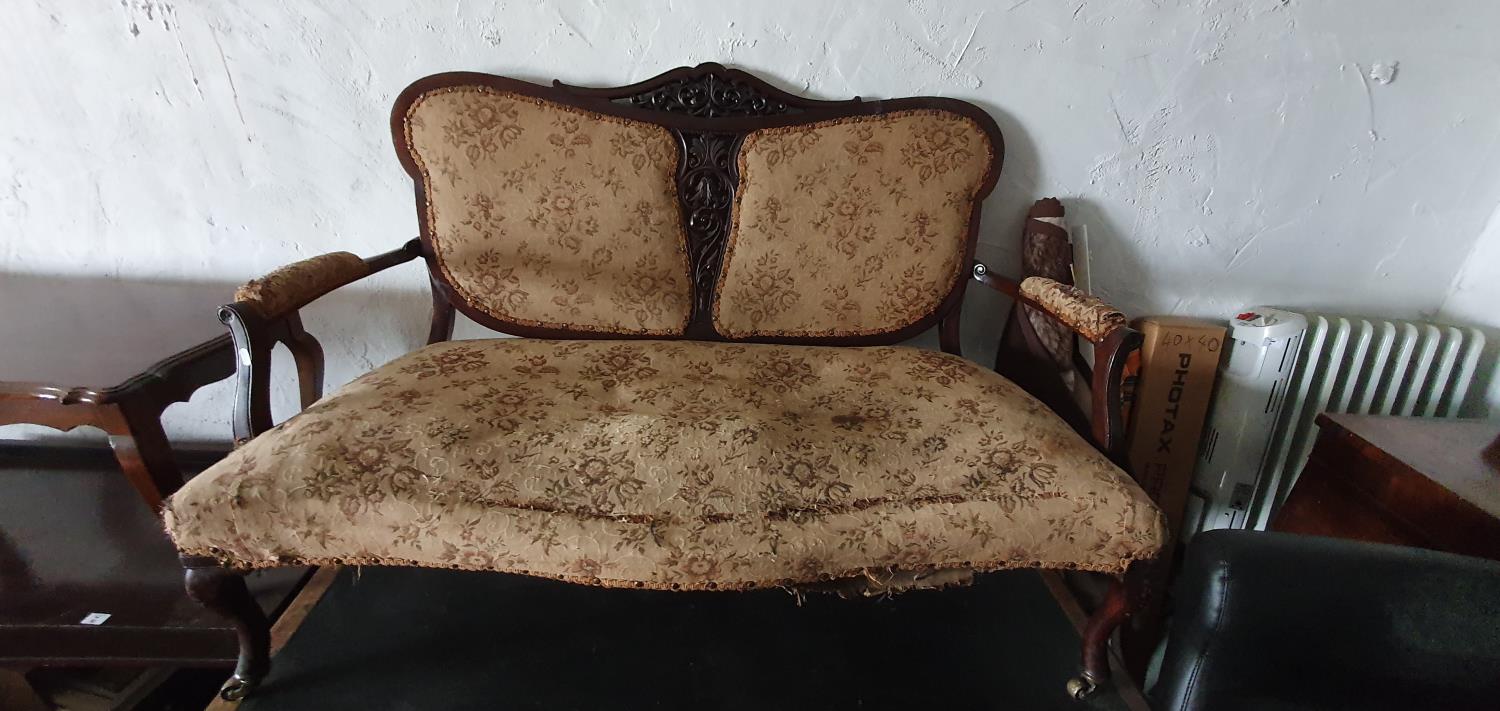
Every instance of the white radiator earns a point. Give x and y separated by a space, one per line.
1343 365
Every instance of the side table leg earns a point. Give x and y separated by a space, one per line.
16 693
223 591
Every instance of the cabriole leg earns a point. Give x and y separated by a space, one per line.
1096 633
223 591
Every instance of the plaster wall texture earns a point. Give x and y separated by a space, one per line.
1338 155
1474 300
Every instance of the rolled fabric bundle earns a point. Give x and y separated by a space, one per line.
1047 251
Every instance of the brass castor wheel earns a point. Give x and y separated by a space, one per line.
1081 687
236 689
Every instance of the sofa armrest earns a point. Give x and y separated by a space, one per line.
1085 315
1104 326
265 312
1276 620
1088 316
297 284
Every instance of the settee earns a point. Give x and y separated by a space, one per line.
710 279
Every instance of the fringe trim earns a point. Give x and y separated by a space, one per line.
795 582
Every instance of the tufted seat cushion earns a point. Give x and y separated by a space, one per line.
679 464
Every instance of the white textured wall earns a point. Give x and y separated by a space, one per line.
1475 296
1220 153
1475 301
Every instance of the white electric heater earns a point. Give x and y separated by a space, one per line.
1254 377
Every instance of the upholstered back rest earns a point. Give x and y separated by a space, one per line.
702 204
850 227
550 216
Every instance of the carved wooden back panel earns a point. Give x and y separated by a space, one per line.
634 195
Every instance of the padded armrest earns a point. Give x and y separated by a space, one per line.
1275 620
1087 315
1101 324
297 284
264 313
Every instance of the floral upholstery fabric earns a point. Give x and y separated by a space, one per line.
297 284
545 215
850 227
1089 315
671 464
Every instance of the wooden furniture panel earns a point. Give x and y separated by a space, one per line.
1429 483
91 353
74 540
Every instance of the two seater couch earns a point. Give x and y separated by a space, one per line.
711 277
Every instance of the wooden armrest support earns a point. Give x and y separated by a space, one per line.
1108 416
1099 323
265 312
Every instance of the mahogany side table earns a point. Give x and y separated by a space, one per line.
89 352
130 412
1422 482
87 576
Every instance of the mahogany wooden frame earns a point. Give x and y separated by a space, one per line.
708 100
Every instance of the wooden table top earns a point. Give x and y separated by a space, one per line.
1461 455
98 332
75 540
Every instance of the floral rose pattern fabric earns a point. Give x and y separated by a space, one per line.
550 216
1088 315
850 227
674 465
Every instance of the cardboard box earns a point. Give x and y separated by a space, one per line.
1179 364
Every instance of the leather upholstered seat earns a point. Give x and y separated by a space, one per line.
671 465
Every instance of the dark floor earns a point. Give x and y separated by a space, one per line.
397 638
